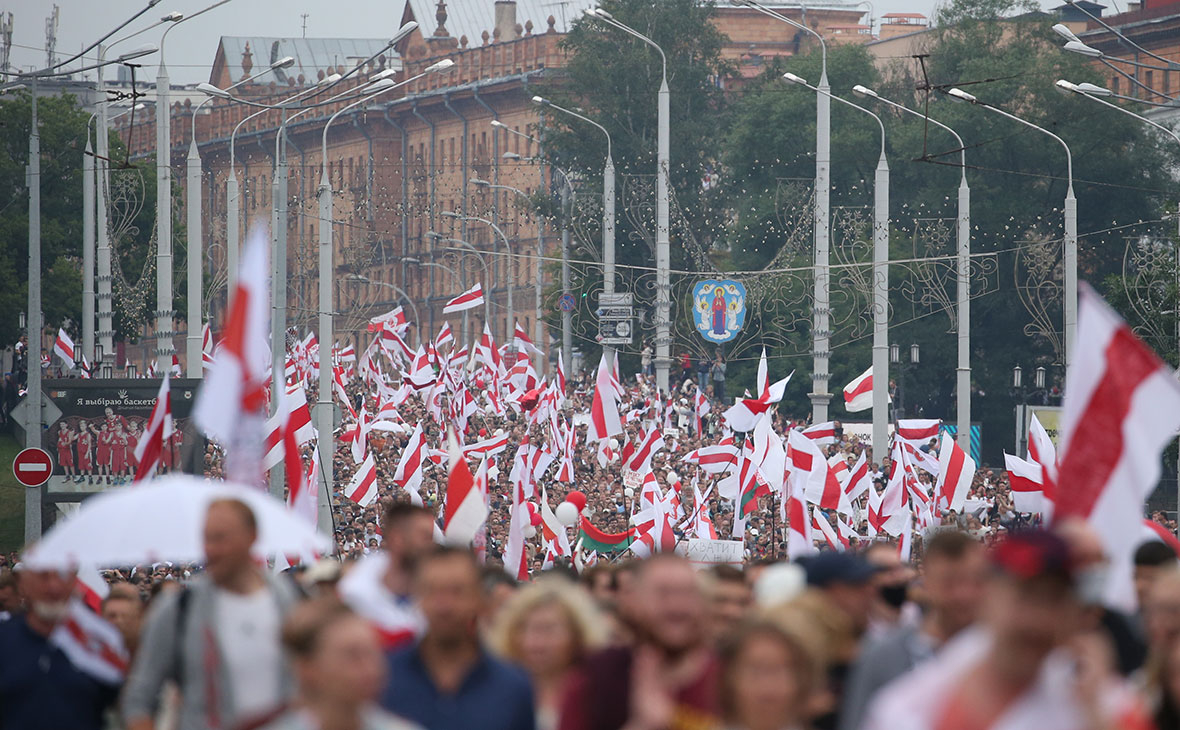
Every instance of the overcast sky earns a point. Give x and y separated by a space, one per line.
191 47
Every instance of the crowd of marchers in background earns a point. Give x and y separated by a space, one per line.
1006 635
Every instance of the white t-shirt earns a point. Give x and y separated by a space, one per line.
248 628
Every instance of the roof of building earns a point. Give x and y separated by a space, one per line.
313 56
472 17
903 15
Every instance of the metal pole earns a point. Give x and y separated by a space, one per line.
608 236
823 171
88 250
663 361
880 307
164 347
232 222
1071 271
33 351
324 407
192 351
106 328
963 371
278 321
567 317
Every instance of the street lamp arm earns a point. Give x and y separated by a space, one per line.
572 113
795 79
1030 125
935 122
151 4
186 18
210 98
1134 81
1101 22
636 34
1063 84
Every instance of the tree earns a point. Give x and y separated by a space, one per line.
63 132
613 79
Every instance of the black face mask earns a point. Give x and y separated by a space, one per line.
894 595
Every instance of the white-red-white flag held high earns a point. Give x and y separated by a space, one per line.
234 392
466 508
408 475
63 347
810 469
1121 408
957 469
604 410
155 435
858 395
1027 485
362 489
469 299
917 431
822 433
1041 450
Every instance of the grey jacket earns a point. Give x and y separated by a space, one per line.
193 660
879 663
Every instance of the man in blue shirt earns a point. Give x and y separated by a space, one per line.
448 681
40 689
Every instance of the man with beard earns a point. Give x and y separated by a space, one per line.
40 688
379 587
669 677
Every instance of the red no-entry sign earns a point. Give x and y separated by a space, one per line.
32 467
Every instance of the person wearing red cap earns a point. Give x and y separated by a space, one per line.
1029 665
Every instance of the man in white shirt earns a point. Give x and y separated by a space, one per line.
218 638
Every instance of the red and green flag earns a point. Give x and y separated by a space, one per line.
594 539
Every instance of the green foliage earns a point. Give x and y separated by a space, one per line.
63 134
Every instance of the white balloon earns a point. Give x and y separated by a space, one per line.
566 513
529 532
614 444
754 531
629 492
588 512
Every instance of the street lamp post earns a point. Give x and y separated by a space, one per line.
1022 394
164 313
963 279
608 208
880 280
510 278
1071 223
192 353
398 290
324 397
663 360
821 312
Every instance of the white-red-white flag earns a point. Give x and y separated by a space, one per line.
94 646
231 405
822 433
810 470
466 508
1121 408
1026 483
362 488
469 299
305 499
858 395
799 540
955 475
156 435
604 410
63 347
408 475
820 522
917 431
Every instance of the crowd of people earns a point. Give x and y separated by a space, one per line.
985 620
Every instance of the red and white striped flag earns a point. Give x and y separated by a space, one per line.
206 346
1027 485
63 347
466 508
1121 408
93 646
820 522
604 410
917 431
810 469
956 472
305 499
156 435
822 433
859 481
799 539
231 406
362 489
469 299
408 475
858 395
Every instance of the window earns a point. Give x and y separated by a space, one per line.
1148 81
1114 84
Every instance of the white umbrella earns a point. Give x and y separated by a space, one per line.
163 520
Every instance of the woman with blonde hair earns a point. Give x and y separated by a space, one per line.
548 628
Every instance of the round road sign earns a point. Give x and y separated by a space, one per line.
567 303
32 467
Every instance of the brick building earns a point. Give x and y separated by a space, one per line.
398 164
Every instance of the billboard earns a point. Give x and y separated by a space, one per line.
92 440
